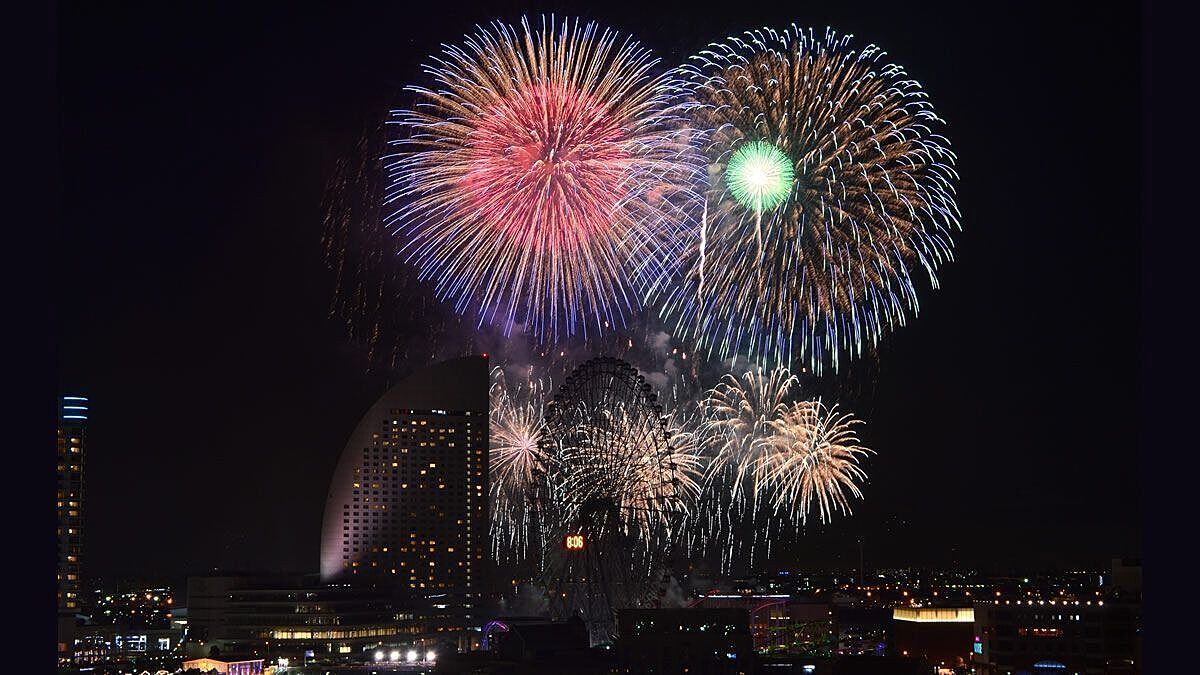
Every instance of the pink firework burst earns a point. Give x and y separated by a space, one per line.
542 184
548 166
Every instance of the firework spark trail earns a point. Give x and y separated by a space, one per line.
703 246
826 160
812 458
736 418
769 462
544 181
517 427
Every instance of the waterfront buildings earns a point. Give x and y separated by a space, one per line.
290 615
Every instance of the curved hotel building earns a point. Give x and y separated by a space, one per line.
408 504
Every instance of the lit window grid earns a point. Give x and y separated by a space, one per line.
405 485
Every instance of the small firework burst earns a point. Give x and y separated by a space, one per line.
811 460
517 427
770 462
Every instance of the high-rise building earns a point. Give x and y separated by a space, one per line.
408 503
72 427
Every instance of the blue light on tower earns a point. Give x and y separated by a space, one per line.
74 408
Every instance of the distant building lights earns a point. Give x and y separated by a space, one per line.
411 655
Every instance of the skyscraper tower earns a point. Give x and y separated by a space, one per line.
72 430
408 503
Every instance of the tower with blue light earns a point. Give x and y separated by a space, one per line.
72 430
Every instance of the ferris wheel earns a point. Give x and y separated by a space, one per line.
611 493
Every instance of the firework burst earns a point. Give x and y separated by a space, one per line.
517 427
736 419
829 190
811 460
770 461
543 179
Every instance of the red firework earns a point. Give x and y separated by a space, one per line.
539 184
548 167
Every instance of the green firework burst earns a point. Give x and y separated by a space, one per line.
760 176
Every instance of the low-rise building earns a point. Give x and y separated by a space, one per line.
697 641
1051 636
281 615
533 646
119 643
942 636
781 623
228 665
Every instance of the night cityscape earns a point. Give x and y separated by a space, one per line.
501 338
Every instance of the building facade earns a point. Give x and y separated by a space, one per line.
72 428
942 636
1069 636
408 503
704 641
290 615
226 666
781 623
136 648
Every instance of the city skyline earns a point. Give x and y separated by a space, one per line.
996 415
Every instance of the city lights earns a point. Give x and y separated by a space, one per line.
736 239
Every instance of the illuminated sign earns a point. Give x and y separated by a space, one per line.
934 614
574 542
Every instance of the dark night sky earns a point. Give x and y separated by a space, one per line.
195 143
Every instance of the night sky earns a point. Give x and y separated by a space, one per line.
196 143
